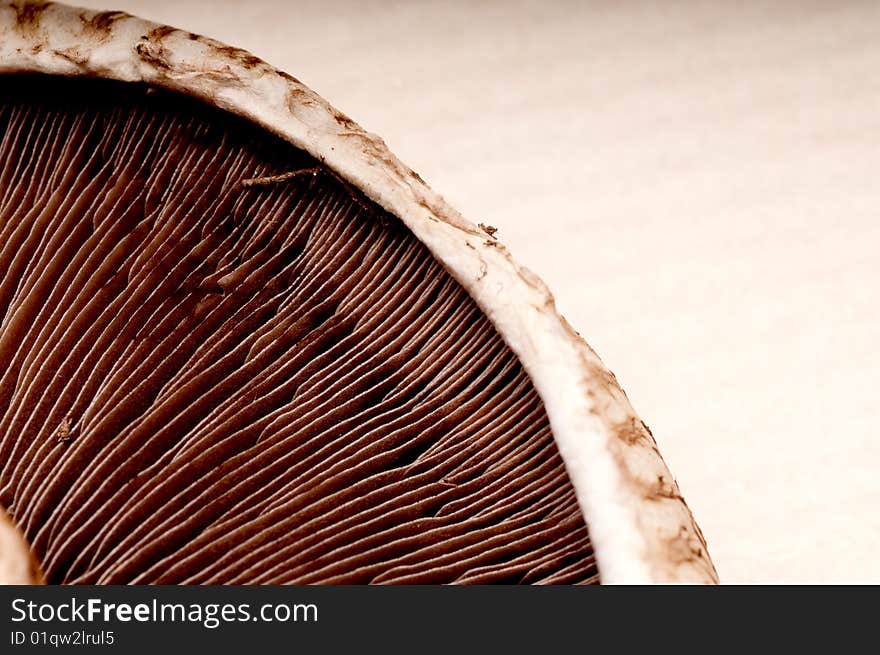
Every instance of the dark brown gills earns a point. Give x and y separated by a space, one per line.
205 382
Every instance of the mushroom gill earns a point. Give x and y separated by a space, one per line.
209 380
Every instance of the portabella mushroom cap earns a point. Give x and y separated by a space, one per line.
640 527
17 564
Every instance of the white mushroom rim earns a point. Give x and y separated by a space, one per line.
17 564
640 527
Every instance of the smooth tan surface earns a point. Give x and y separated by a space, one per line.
697 185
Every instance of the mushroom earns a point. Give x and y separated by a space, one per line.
241 342
17 563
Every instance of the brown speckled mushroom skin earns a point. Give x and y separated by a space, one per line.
641 528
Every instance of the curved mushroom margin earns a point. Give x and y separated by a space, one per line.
641 529
17 563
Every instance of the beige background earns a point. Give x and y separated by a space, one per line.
697 182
